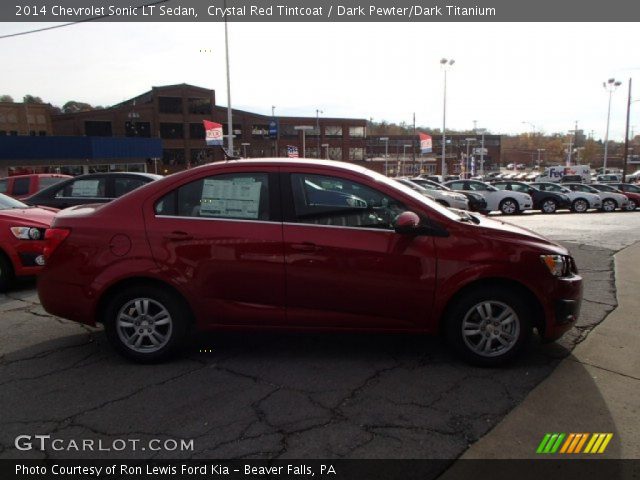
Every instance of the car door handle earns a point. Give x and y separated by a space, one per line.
177 236
305 247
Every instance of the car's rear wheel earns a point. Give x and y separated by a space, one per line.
489 327
609 205
146 323
580 205
631 205
6 272
549 205
509 206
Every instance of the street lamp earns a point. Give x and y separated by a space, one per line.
229 110
467 162
318 112
445 64
481 131
244 148
610 86
386 153
540 150
326 145
304 128
404 157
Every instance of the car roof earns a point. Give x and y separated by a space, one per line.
42 175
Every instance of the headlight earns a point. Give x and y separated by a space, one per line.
559 265
27 233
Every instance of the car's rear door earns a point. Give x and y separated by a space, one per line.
219 236
345 265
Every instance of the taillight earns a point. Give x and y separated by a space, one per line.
53 237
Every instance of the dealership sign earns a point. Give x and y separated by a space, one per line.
425 143
213 132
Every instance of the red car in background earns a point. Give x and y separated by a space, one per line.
631 191
305 245
22 232
21 186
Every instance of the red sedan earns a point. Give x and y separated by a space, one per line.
631 191
305 245
22 231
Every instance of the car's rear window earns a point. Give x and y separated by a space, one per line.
48 181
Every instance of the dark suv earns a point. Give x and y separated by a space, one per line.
545 201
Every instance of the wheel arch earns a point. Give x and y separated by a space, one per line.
138 281
538 313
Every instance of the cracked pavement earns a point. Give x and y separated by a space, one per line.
285 396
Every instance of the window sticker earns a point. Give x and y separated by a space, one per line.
85 188
238 198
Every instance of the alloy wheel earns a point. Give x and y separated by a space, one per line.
490 328
144 325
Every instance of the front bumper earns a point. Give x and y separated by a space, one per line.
562 306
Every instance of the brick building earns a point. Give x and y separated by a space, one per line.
400 154
174 113
25 119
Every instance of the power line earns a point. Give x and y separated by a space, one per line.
90 19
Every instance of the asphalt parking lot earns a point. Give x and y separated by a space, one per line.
283 395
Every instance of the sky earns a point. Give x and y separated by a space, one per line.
505 74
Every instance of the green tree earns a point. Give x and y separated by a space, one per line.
6 98
73 106
31 99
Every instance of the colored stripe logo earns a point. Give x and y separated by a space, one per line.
573 443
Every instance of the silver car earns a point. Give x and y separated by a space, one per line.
448 199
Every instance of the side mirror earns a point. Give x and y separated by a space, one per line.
407 223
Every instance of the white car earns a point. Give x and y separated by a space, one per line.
506 201
610 200
448 199
580 201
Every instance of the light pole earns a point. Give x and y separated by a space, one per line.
318 112
275 140
445 64
404 157
610 86
244 148
386 154
540 150
481 131
229 111
467 161
533 128
326 145
304 128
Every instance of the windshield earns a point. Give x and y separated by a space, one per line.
429 185
426 201
632 188
7 202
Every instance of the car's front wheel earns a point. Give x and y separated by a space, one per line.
6 272
631 205
509 206
580 205
609 205
488 327
146 323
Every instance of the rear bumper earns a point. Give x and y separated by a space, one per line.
562 306
65 300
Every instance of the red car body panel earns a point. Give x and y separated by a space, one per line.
17 249
238 274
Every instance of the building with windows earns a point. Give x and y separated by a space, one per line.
174 113
25 119
400 154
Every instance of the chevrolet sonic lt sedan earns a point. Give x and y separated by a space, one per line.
302 245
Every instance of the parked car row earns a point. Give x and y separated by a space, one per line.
511 197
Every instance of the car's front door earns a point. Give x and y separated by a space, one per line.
220 238
346 267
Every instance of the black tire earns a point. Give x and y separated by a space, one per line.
631 206
465 308
174 333
580 205
609 205
509 206
549 205
6 272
